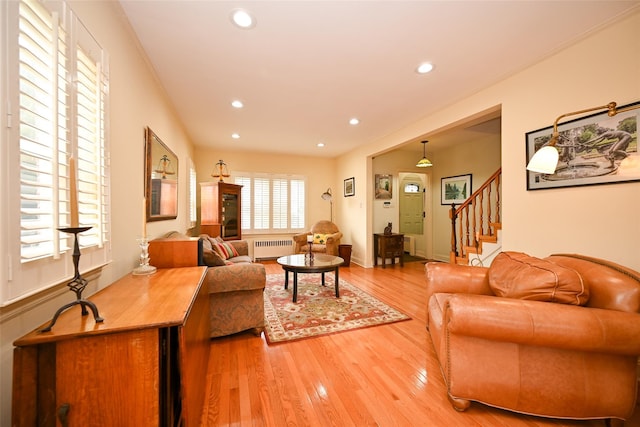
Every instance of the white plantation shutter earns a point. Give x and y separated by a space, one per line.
245 197
42 95
279 204
272 203
261 200
60 105
193 215
297 204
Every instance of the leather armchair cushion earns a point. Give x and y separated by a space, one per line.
518 275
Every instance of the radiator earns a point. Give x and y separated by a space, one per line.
272 248
410 245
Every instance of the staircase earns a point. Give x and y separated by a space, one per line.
476 226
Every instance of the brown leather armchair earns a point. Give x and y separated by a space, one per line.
331 236
541 358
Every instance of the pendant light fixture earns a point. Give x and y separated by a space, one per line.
424 162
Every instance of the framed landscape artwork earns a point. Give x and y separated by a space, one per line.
595 149
455 189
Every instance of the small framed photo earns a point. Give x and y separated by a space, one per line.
349 187
455 189
383 187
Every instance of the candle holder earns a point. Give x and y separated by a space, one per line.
309 255
77 284
144 267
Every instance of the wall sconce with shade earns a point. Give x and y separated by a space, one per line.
329 197
545 160
424 162
220 170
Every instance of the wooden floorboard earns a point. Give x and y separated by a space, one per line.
379 376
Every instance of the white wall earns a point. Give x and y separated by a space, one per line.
599 221
137 100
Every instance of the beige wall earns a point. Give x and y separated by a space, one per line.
319 173
137 100
597 220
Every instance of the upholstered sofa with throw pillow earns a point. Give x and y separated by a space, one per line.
556 337
236 285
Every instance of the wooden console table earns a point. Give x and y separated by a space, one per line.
143 366
388 246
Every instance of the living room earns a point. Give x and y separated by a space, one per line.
599 221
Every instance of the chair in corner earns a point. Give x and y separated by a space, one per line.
326 236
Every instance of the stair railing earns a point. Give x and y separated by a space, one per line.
475 219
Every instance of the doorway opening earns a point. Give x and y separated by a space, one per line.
413 212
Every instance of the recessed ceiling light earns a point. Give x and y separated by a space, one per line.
236 103
320 144
424 68
243 19
354 121
235 135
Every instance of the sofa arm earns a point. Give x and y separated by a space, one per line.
454 279
543 324
242 246
236 277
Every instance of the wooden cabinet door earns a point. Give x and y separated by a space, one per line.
111 379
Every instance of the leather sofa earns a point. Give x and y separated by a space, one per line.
236 285
575 358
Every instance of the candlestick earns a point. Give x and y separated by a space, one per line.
309 238
73 193
144 267
77 284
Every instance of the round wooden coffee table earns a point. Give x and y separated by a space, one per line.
300 263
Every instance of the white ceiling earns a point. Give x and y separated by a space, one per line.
309 66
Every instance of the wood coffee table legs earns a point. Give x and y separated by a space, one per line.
295 280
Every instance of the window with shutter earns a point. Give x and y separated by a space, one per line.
272 203
193 215
59 106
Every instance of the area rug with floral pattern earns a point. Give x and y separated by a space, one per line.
318 311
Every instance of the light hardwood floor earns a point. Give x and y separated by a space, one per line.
380 376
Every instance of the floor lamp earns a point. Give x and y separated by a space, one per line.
327 196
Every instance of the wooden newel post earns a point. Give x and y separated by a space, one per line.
452 215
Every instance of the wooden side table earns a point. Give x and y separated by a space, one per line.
388 246
142 366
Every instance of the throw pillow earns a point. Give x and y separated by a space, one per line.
209 256
319 239
518 275
225 250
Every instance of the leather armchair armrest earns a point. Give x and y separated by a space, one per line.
543 324
453 279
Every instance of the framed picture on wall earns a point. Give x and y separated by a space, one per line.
455 189
349 187
596 149
383 187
